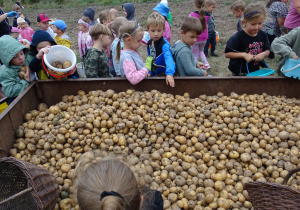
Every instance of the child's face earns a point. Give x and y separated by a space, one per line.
23 25
82 28
18 59
189 37
237 13
155 31
124 12
285 1
42 44
135 41
55 29
253 27
43 25
106 40
210 8
18 11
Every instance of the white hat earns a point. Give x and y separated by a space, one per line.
165 2
20 20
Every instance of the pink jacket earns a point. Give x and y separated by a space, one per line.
27 33
204 35
83 47
167 32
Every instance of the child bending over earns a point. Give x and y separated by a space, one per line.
182 52
59 27
14 56
95 60
238 9
159 49
85 41
251 45
131 63
164 11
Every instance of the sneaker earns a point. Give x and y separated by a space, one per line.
214 54
206 55
207 66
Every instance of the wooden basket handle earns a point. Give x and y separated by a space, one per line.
288 176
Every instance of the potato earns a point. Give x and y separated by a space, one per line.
66 64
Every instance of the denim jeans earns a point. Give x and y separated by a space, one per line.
211 40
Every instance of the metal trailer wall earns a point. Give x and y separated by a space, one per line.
51 92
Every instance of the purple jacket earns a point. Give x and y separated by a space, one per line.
204 35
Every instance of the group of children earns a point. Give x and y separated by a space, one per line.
110 47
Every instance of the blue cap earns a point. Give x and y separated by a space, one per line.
60 24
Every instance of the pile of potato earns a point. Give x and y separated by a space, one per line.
60 65
198 152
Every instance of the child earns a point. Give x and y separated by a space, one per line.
103 19
59 27
159 48
198 47
237 9
15 33
43 22
131 63
164 11
13 54
128 11
112 14
181 51
85 41
165 2
41 42
117 23
108 183
287 46
90 13
210 6
95 60
17 9
25 31
251 45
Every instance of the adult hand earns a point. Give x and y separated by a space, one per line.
295 57
42 51
170 80
26 74
12 14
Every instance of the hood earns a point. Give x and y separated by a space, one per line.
129 7
9 48
40 36
177 47
162 9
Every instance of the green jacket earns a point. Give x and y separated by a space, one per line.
287 46
12 86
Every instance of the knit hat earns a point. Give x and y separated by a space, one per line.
60 24
90 13
15 30
40 36
20 20
165 2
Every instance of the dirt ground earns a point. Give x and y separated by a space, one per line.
225 24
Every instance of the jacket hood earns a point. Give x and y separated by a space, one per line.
129 7
162 9
177 47
9 48
40 36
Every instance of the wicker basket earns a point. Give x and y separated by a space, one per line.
267 196
26 186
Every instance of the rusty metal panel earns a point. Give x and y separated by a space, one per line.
7 137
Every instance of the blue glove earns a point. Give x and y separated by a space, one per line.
12 14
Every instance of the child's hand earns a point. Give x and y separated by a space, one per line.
205 73
295 57
248 57
259 57
200 65
170 80
26 74
26 44
42 51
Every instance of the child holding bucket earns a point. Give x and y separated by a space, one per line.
250 45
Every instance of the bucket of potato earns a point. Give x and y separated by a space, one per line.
60 62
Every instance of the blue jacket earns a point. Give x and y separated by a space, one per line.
163 57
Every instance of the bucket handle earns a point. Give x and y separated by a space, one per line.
261 61
57 76
289 69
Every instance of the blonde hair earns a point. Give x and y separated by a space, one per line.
210 2
103 16
199 4
238 5
254 11
129 28
117 23
85 19
95 175
98 29
156 19
112 14
191 24
15 7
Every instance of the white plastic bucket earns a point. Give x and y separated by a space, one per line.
60 53
80 70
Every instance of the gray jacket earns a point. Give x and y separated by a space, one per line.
211 24
184 60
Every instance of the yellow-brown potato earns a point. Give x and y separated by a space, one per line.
23 69
66 64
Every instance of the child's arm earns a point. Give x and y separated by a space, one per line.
284 45
36 61
91 63
259 57
189 68
170 65
134 75
237 55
